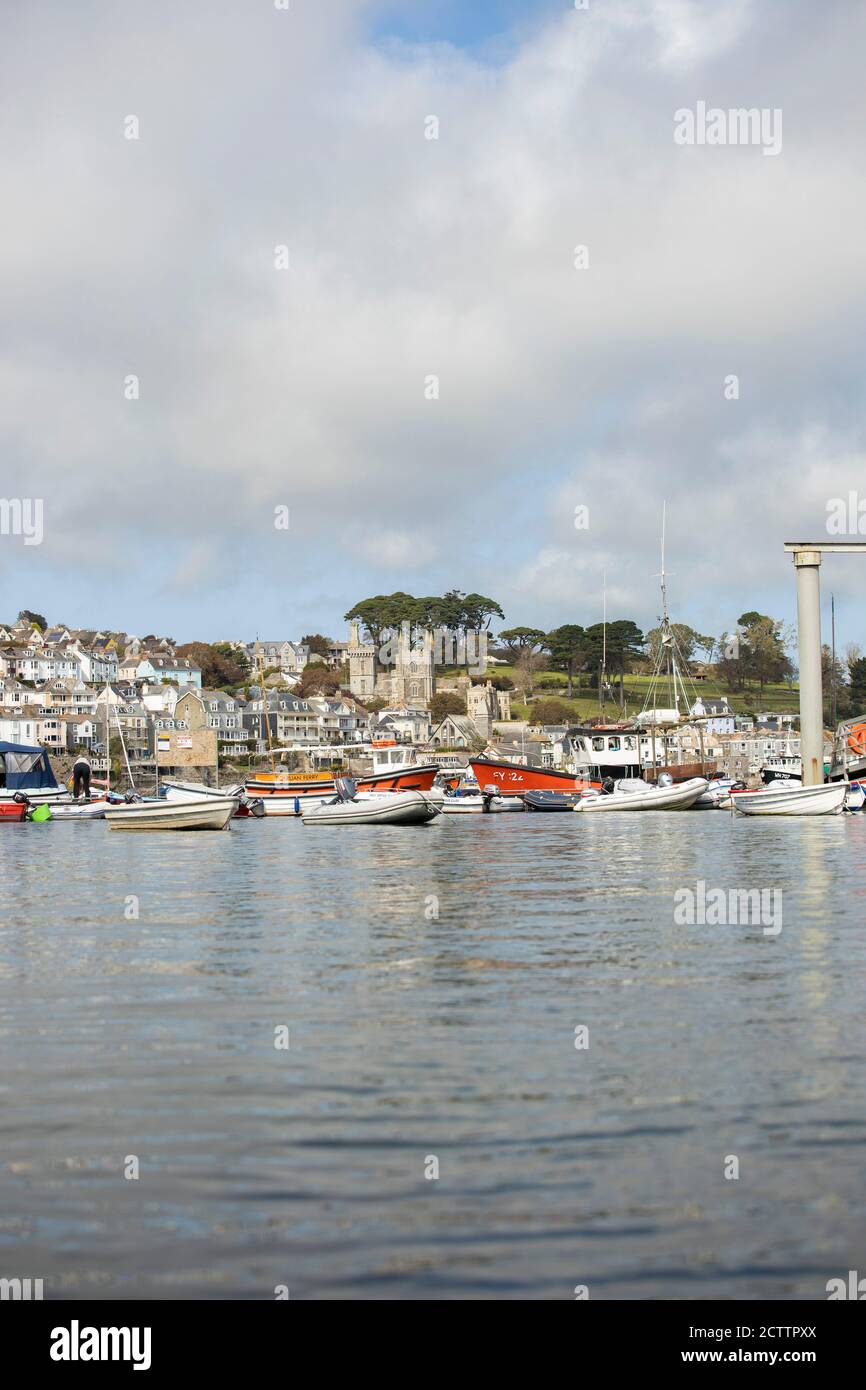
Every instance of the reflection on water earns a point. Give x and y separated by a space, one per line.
431 980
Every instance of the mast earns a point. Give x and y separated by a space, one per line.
602 682
265 711
833 665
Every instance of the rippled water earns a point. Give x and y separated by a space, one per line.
415 1036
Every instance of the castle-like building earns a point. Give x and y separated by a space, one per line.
400 673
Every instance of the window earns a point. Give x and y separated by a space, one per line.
598 745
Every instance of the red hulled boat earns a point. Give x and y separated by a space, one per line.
513 779
402 779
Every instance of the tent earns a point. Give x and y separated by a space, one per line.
25 767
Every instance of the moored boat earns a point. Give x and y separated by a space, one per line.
826 799
199 813
551 801
391 808
513 779
631 794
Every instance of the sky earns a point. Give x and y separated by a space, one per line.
303 379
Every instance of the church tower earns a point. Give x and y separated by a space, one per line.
361 657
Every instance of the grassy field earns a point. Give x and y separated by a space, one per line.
552 685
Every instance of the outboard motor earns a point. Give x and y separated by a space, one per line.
487 794
665 780
21 798
346 789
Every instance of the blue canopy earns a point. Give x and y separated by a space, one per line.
25 767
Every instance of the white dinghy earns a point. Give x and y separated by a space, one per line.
76 810
631 794
387 808
827 799
198 813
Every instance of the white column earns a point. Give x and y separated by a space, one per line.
807 563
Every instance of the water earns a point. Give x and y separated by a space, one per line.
414 1036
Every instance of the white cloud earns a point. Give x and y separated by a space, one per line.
411 257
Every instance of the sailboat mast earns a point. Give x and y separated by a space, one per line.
603 680
265 711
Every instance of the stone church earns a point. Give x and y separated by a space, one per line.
401 672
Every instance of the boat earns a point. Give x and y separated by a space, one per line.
25 768
186 791
718 794
78 810
393 771
514 779
198 813
826 799
12 812
391 808
551 801
856 798
484 802
632 794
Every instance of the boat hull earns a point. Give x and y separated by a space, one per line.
511 779
679 797
204 813
12 812
419 778
551 801
396 808
827 799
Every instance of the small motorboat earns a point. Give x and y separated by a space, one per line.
856 798
633 794
14 811
827 799
198 813
388 808
551 801
489 799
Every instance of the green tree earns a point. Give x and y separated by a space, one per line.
762 649
550 712
522 639
28 616
857 683
446 702
317 644
568 651
689 642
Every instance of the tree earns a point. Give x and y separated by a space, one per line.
446 702
688 642
318 679
522 639
568 651
317 644
550 712
857 687
27 616
618 646
762 648
218 670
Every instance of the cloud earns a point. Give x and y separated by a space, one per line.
411 257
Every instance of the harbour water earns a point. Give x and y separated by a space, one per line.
431 981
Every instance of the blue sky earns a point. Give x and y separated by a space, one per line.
412 258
